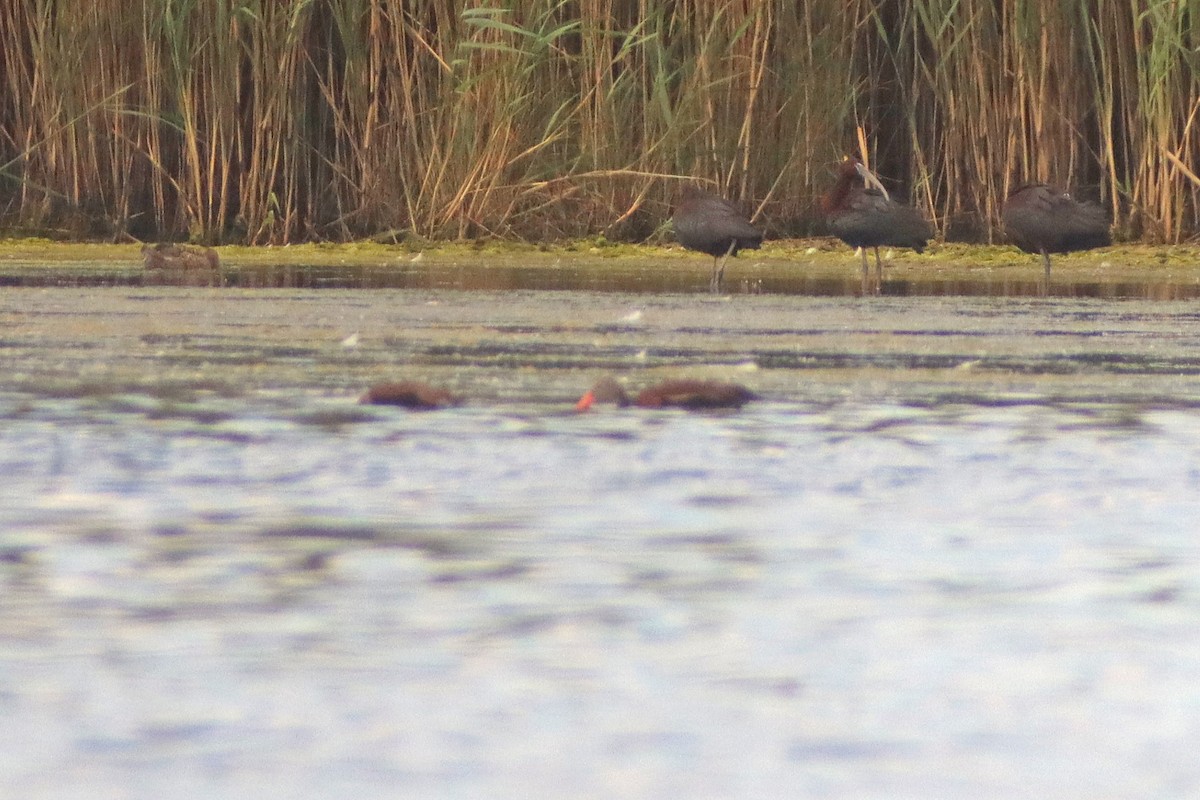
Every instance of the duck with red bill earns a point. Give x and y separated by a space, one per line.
682 393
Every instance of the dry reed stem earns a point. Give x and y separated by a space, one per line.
273 122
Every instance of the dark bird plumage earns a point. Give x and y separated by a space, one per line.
713 225
1041 219
410 394
682 393
868 217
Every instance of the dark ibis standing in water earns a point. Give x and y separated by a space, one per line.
868 217
1041 219
679 393
713 225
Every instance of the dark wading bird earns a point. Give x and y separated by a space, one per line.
712 225
410 394
685 393
868 217
1041 219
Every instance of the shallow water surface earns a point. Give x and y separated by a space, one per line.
829 275
950 553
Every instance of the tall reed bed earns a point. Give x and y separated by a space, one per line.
276 121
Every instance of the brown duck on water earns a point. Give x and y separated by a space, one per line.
1041 219
713 225
414 395
868 217
681 393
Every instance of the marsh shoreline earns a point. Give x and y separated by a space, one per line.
820 266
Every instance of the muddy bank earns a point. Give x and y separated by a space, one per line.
822 267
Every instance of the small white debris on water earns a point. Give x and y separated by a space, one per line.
351 340
418 258
633 316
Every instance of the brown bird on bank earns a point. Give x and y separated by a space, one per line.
713 225
684 393
180 265
1041 219
180 257
868 217
410 394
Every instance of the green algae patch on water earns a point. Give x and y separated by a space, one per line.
26 255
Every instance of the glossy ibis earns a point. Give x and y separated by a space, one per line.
1041 219
713 225
410 394
683 393
868 217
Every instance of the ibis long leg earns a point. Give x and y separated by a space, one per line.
1045 287
718 273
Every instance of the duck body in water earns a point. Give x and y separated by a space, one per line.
415 395
680 393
